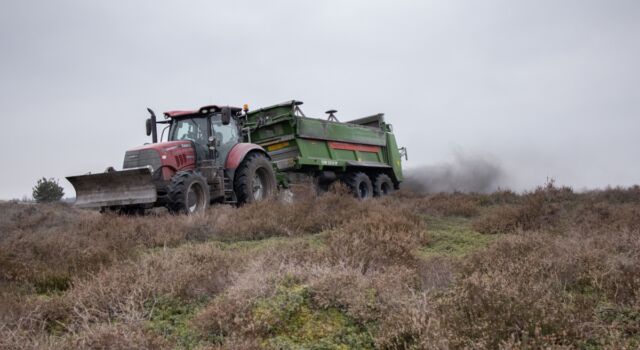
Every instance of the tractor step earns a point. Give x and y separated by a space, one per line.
229 195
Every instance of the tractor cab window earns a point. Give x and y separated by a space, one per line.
224 133
191 129
226 136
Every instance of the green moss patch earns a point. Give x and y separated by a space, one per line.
453 236
169 317
52 284
294 323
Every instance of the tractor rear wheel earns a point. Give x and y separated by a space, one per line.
255 179
359 184
382 185
188 193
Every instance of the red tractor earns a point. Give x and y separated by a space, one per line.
203 161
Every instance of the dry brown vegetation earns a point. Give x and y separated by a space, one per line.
559 270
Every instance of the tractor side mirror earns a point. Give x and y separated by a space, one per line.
148 126
226 116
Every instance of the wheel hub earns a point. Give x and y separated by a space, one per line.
195 198
258 187
363 190
192 200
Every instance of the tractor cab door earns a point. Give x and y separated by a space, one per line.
225 137
194 130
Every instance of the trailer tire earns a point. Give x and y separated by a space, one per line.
188 193
382 185
255 179
359 184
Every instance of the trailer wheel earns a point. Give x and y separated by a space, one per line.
255 179
188 193
359 184
382 185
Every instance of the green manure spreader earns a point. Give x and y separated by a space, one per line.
361 153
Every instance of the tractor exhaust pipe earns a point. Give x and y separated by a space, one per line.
151 126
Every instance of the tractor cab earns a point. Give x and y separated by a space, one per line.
212 130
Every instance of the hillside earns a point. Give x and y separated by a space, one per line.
549 268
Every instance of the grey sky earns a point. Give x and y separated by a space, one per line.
544 88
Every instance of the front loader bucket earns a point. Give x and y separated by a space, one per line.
126 187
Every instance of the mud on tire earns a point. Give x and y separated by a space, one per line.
188 193
359 184
255 179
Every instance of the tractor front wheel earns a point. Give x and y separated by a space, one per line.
255 179
188 193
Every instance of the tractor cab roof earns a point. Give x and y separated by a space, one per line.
202 110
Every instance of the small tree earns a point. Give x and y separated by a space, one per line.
47 190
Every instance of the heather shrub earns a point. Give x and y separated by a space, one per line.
25 217
455 204
502 219
382 236
442 204
556 209
544 289
312 214
327 271
616 195
122 291
499 197
319 304
592 215
539 210
435 273
126 294
44 246
118 336
229 315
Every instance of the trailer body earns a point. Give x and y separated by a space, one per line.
298 144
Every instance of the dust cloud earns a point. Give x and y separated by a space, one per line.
464 173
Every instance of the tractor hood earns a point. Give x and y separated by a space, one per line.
166 157
163 146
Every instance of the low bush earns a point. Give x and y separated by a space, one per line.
456 204
542 290
328 272
382 236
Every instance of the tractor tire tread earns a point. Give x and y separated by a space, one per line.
353 181
243 176
379 181
176 190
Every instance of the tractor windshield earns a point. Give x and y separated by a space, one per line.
192 129
226 137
